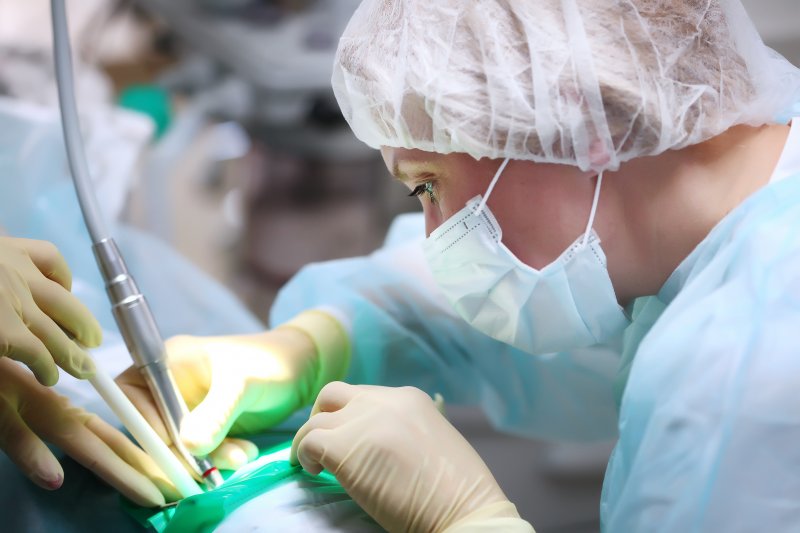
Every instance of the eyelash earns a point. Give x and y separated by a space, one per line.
423 188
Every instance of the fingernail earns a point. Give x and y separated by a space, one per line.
51 481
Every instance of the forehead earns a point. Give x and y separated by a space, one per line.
404 163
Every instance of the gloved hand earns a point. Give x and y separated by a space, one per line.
402 462
35 304
30 412
245 384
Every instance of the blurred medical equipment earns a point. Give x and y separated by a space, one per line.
313 192
130 309
256 63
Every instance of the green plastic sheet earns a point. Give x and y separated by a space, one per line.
204 512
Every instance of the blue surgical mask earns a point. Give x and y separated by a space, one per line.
568 304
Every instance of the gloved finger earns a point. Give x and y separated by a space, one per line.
65 309
133 455
66 427
48 260
191 367
207 424
303 452
192 469
18 343
63 351
233 454
27 450
335 395
310 451
132 384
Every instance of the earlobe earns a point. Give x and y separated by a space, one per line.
599 156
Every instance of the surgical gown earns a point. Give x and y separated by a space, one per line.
706 377
710 416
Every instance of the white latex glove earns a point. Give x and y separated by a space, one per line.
245 384
401 461
30 412
37 308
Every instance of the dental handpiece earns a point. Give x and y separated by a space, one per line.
143 340
130 309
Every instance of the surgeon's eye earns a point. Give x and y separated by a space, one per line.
424 188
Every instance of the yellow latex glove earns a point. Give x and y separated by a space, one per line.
402 462
245 384
36 308
30 412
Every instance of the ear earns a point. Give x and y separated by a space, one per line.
599 156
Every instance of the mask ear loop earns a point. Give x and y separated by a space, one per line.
594 209
491 186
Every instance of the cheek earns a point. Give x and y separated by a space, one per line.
433 218
439 213
539 223
449 203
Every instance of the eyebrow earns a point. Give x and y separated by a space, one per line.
418 167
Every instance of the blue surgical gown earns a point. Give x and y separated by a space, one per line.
709 425
706 378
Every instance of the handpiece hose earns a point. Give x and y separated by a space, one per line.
130 309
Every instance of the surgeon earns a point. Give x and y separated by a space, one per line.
611 195
39 318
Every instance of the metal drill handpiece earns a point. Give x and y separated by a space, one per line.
144 342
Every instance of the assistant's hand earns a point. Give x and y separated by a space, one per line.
245 384
402 461
31 413
36 308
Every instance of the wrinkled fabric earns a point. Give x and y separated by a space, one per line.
588 83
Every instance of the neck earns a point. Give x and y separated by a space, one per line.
688 192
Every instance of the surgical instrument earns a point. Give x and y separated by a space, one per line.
131 311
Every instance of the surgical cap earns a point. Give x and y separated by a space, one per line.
588 83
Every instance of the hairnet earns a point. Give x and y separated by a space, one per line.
590 83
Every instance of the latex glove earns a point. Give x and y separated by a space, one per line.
245 384
36 308
401 461
30 412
